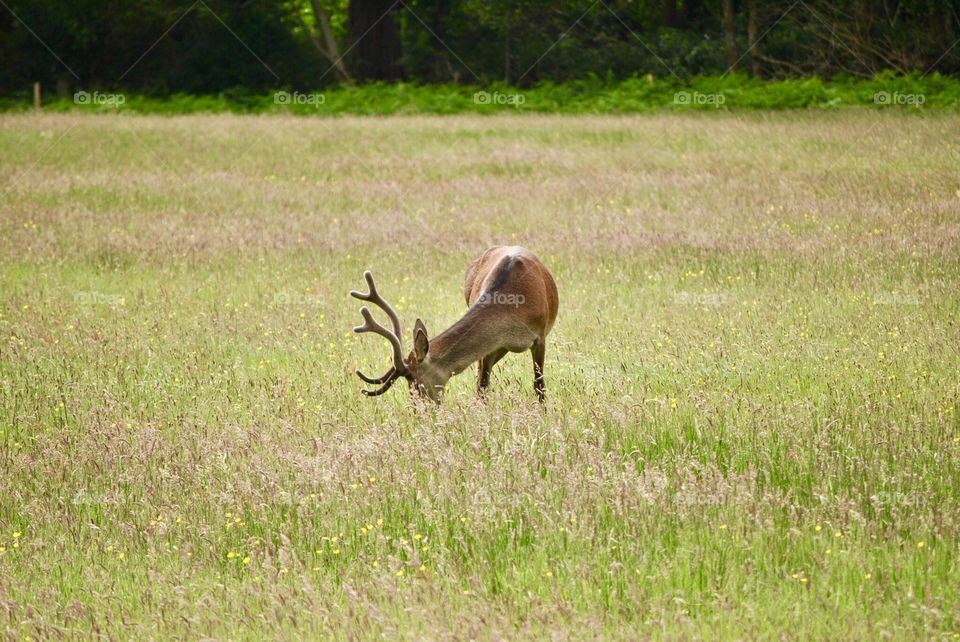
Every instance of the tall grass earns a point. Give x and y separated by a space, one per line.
752 421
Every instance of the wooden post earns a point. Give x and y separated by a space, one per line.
36 95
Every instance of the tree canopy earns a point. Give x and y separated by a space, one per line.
211 46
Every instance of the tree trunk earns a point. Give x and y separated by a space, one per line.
669 12
325 43
730 34
752 42
376 49
692 12
508 17
441 58
506 57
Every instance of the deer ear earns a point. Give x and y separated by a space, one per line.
421 345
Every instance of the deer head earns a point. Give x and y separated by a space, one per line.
420 376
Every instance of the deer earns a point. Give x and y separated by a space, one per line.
512 304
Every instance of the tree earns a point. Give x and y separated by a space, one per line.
375 46
730 34
322 37
752 42
670 14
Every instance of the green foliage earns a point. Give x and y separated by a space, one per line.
164 47
590 95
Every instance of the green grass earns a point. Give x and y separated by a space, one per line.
588 96
752 422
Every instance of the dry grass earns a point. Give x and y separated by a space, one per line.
752 428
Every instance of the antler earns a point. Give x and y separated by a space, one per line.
375 380
370 325
382 389
374 297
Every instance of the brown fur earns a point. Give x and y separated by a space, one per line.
528 277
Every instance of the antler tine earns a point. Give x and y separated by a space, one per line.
386 386
370 325
375 380
374 297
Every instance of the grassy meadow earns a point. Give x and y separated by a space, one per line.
752 427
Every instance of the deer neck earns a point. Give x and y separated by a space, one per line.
468 340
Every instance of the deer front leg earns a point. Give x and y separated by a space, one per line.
539 351
484 366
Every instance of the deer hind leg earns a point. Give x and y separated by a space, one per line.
484 366
539 349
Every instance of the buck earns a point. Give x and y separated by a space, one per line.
512 303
